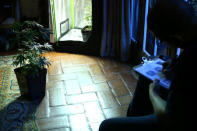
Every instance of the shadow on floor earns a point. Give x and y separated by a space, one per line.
18 115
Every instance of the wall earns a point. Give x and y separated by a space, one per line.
35 10
29 8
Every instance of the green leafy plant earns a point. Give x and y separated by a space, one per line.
33 39
88 14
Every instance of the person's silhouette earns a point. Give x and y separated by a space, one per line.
174 22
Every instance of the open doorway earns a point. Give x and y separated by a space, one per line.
71 19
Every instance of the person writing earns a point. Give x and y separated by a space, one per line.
173 22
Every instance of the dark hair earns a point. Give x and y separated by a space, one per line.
170 17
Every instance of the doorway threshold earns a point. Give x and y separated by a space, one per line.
72 35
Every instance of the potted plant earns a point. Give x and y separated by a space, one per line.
86 32
31 65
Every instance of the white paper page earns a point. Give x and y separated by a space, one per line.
152 70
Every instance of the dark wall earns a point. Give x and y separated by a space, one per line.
6 9
35 10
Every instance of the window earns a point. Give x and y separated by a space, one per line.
151 45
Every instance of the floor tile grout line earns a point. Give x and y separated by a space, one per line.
126 86
100 105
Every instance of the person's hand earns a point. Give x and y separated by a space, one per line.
167 69
154 87
158 103
165 65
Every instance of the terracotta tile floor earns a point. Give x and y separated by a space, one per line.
82 91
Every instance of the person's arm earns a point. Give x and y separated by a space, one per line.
159 104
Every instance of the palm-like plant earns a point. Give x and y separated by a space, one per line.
30 35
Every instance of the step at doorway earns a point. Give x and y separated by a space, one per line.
69 17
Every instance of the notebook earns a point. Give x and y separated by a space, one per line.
153 70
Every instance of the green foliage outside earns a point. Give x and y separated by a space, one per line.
32 39
88 15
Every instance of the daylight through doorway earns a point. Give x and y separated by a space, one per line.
71 19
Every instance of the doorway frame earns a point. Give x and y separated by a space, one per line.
92 46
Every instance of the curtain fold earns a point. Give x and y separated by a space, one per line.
52 22
120 24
